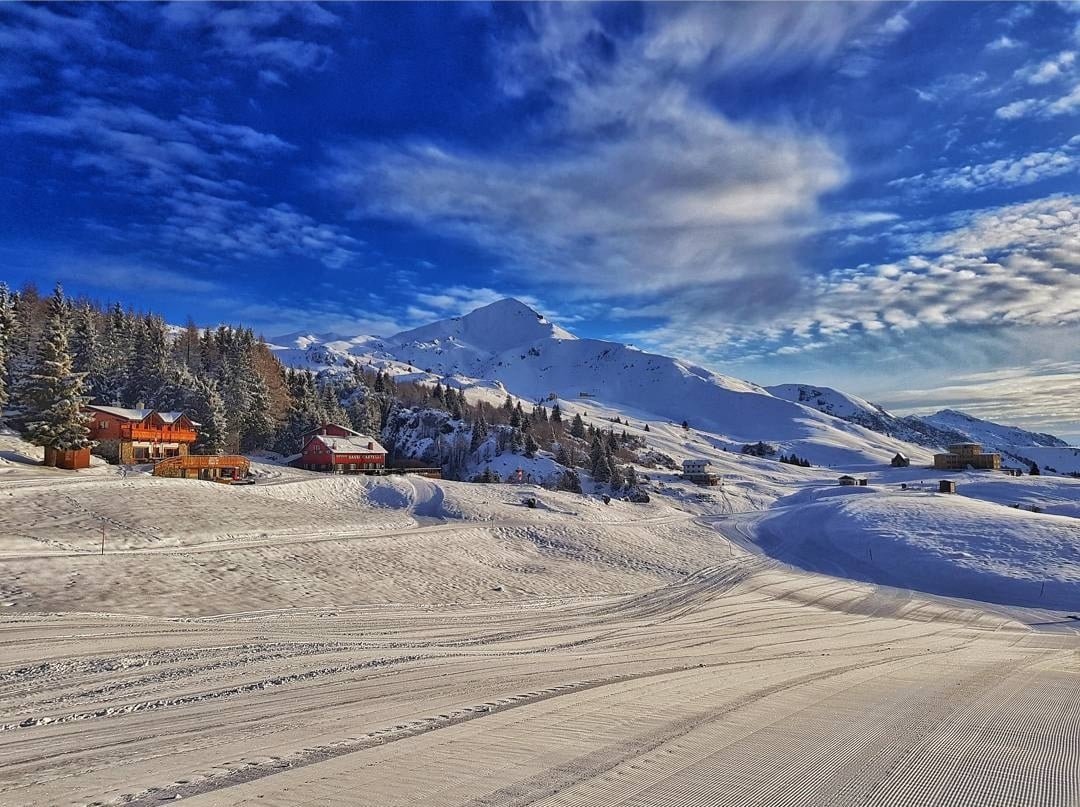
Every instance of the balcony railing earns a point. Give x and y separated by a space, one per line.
157 435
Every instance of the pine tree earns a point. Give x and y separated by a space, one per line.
54 392
577 428
479 433
562 456
204 405
570 481
87 354
531 446
599 461
7 321
615 475
686 425
646 427
556 413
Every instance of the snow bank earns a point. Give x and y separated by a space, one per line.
940 544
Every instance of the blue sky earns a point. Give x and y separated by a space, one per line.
877 197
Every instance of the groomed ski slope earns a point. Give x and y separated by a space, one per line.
315 640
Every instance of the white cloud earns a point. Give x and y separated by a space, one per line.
1048 70
1016 266
263 33
1004 43
648 183
1009 172
185 166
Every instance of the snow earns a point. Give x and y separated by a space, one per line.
991 436
970 546
508 347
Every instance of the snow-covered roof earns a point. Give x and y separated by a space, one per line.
170 417
357 444
120 412
334 425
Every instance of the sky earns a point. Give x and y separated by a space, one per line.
881 198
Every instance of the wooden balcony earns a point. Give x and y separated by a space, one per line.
157 435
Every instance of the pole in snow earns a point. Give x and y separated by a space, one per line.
103 537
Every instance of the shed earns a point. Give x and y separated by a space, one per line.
70 459
848 480
900 460
946 486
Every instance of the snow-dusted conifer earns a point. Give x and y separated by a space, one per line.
54 391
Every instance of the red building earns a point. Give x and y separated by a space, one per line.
132 436
71 459
337 449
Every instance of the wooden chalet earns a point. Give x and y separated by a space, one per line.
336 449
901 460
130 436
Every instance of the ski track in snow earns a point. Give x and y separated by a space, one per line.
347 641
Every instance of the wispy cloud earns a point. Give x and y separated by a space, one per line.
267 34
186 166
632 174
1007 172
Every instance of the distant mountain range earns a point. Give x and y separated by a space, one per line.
507 347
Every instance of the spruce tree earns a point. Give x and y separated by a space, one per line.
577 428
599 461
479 433
556 413
54 392
87 354
6 324
531 446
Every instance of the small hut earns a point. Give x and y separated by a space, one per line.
900 461
848 481
946 486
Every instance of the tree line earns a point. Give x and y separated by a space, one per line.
58 353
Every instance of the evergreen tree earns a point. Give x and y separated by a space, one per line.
556 413
615 475
7 321
1033 470
204 405
686 425
562 456
87 354
599 461
531 446
646 427
577 428
570 481
54 391
479 433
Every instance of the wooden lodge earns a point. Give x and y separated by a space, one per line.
131 436
336 449
226 468
900 460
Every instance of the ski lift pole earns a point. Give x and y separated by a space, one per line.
103 537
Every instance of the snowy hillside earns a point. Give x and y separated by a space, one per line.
508 346
941 544
932 431
857 410
989 434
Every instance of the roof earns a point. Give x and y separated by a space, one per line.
120 412
357 444
170 417
901 454
846 476
335 425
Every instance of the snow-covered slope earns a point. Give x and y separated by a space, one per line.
932 431
990 434
508 346
857 410
941 544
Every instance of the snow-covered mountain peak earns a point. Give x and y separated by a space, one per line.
492 329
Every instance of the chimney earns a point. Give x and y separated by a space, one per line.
370 445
